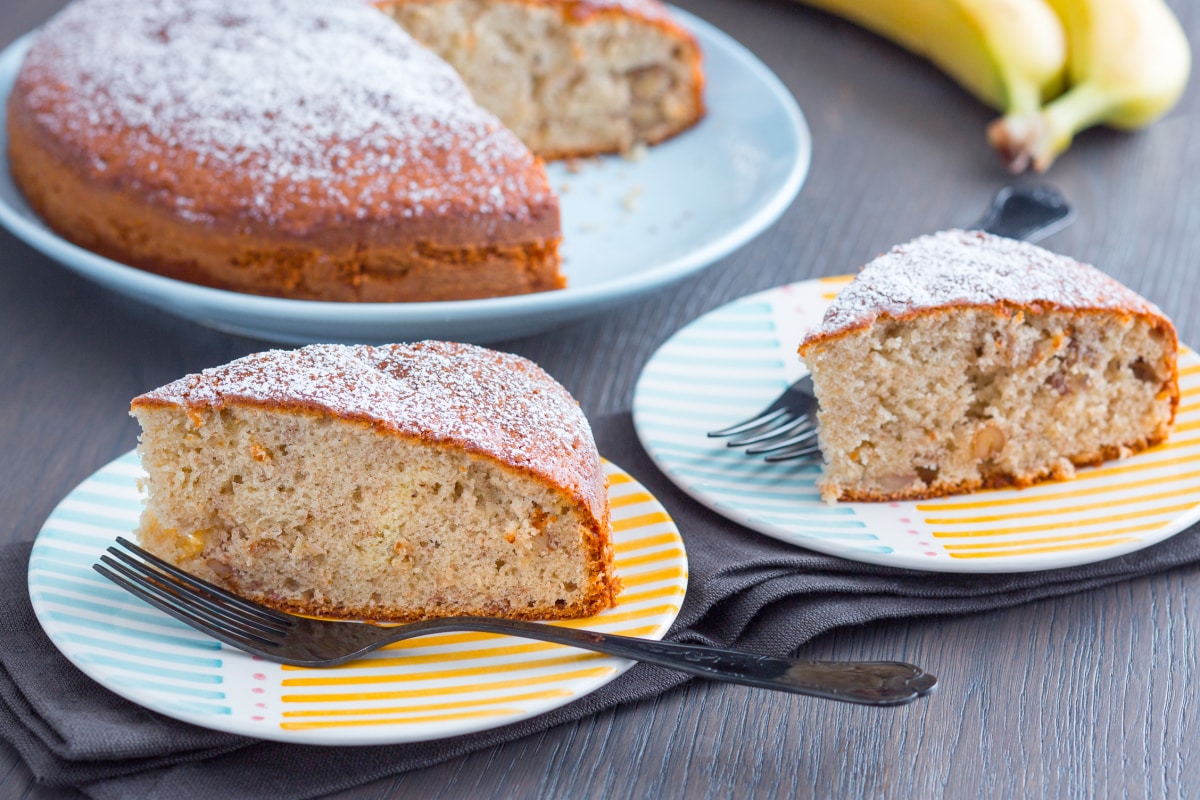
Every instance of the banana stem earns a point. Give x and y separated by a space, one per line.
1036 139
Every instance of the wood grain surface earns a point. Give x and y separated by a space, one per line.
1089 695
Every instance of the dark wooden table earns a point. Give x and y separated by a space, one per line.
1090 695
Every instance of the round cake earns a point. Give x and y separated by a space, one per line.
298 149
963 360
389 483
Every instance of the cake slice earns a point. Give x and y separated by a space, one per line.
963 360
386 483
569 77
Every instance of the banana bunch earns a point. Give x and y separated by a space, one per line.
1051 67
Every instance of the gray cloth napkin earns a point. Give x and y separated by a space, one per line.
745 591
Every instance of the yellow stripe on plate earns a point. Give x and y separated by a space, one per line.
1189 371
1049 549
610 617
1190 392
629 499
665 574
1055 526
358 723
1184 427
640 521
423 708
1064 495
475 686
618 478
975 520
649 558
653 594
1074 537
654 540
329 678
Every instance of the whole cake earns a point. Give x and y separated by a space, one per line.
387 483
570 77
300 149
963 360
314 150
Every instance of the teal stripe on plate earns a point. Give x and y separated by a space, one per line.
111 515
722 339
113 477
87 539
738 481
195 639
670 448
101 660
198 708
741 307
93 585
713 363
787 504
123 499
794 520
814 533
753 324
725 492
141 685
155 655
677 392
61 554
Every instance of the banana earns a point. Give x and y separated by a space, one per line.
1129 62
1011 54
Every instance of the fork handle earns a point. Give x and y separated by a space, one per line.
867 682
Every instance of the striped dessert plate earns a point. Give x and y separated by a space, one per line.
728 364
421 689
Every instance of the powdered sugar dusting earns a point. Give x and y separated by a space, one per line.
488 402
972 268
272 108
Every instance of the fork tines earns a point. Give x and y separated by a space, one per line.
202 605
784 430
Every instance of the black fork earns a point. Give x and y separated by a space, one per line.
307 642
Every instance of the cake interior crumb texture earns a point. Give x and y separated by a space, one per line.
957 399
314 515
567 80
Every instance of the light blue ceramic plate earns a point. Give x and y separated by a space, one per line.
628 227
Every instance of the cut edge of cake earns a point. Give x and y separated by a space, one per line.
962 361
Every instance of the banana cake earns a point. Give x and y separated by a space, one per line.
386 483
963 360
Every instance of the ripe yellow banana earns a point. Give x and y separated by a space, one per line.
1012 54
1128 64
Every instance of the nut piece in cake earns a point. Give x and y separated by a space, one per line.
963 360
388 483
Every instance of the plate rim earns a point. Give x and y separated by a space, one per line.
311 737
169 294
946 566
